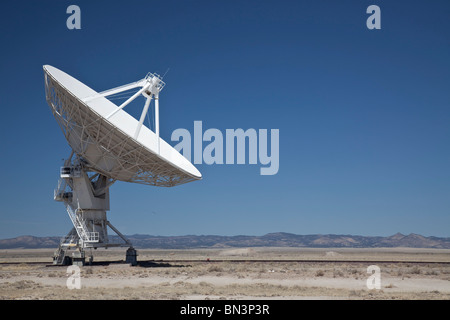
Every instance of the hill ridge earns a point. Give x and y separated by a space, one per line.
273 239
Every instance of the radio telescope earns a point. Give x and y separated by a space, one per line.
108 144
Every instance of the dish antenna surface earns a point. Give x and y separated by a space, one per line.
108 144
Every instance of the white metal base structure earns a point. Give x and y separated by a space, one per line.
86 197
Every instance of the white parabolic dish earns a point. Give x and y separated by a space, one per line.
108 145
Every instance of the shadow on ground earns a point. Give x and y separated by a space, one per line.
142 264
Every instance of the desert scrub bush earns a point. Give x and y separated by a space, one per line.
320 273
445 270
88 270
415 270
215 268
355 293
353 271
435 292
337 274
432 273
26 284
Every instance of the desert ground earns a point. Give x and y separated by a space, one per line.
231 273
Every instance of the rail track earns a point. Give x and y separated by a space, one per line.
156 263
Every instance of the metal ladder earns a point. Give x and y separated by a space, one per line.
80 227
59 256
70 240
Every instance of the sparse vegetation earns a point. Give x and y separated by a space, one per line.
320 273
337 274
432 273
230 280
415 270
215 268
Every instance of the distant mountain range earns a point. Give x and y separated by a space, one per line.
279 239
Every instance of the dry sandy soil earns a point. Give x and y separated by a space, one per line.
334 274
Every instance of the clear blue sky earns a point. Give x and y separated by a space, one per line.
363 114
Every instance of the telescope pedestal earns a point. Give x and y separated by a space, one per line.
86 197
